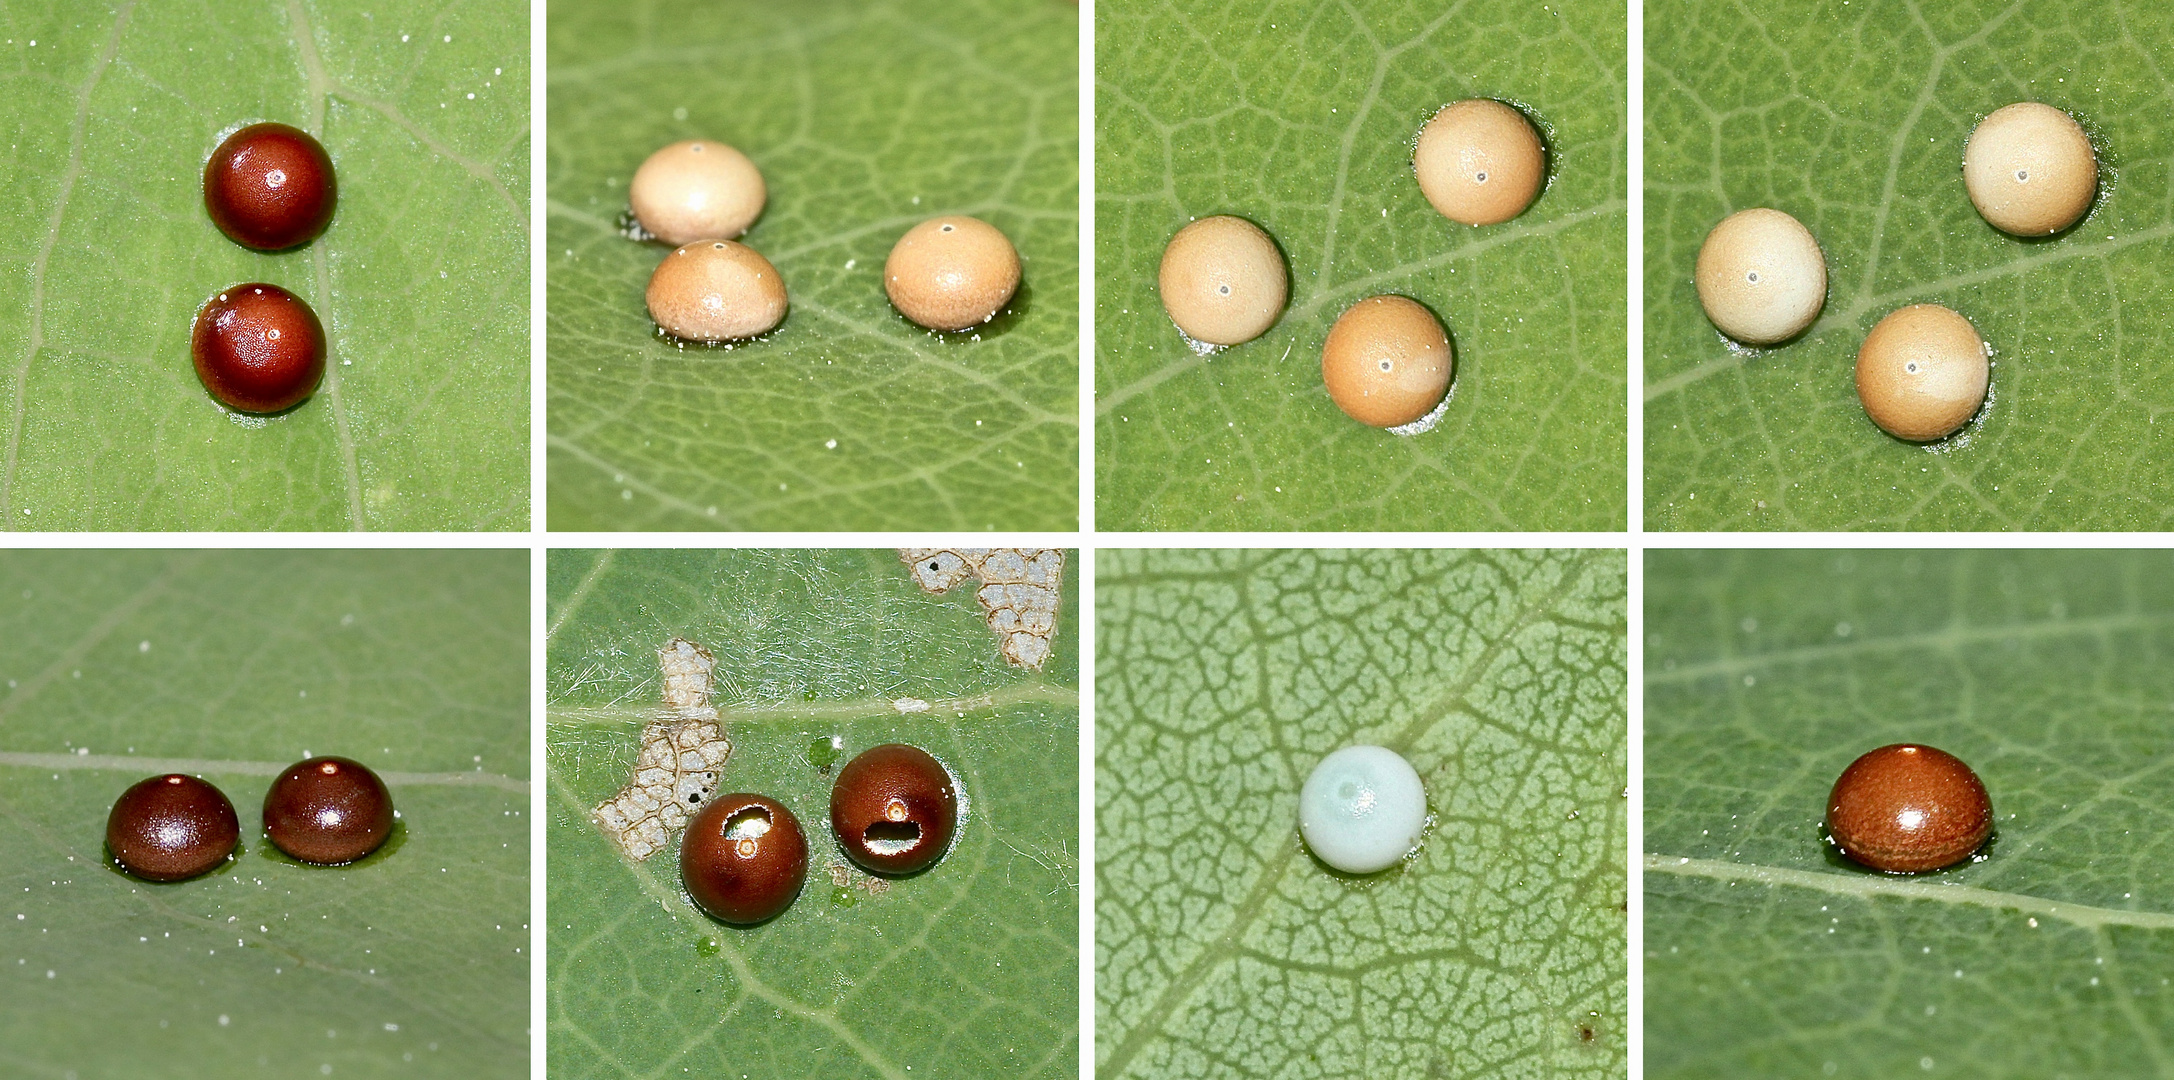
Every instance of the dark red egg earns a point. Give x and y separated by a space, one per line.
171 827
328 810
744 858
893 809
1908 808
269 187
258 348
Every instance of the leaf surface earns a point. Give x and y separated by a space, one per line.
865 120
1224 949
421 281
1299 115
1853 119
1768 672
967 969
119 666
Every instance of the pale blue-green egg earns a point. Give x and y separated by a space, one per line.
1362 809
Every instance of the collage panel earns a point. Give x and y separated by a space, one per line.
883 334
813 813
1294 331
264 813
267 266
1361 813
1942 306
1908 813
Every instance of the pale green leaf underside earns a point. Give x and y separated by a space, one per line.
865 119
1767 673
1224 950
122 665
421 281
1298 116
968 969
1853 118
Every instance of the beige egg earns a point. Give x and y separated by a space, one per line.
1479 162
952 272
1222 280
1387 361
697 190
1761 276
2030 169
716 290
1922 372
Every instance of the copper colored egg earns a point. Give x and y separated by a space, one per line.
258 348
171 827
269 187
1906 809
328 810
894 809
744 858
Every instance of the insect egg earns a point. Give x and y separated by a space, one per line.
258 347
744 858
1387 361
697 190
950 273
171 827
1908 808
1479 162
1362 809
2030 169
1761 277
894 809
1222 280
1922 372
716 290
328 810
270 187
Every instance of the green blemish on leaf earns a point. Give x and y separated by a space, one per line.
707 946
843 897
822 754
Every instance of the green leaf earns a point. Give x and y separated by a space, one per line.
1853 119
1767 673
967 969
1299 116
421 281
123 665
1223 949
865 120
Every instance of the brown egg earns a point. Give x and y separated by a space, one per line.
744 858
171 827
716 290
950 273
893 809
2030 170
1906 809
1222 280
257 347
270 187
697 190
328 810
1387 361
1479 162
1922 372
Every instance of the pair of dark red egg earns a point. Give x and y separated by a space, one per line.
325 810
259 348
893 809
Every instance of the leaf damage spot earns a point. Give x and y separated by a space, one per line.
681 752
1018 592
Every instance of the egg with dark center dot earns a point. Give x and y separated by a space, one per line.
171 827
744 858
1906 809
328 810
270 187
258 348
894 808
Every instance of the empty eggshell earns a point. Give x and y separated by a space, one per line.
1761 276
2030 169
697 190
1222 280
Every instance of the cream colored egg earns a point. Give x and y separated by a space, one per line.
1387 361
2030 169
1479 162
1922 372
1761 276
716 290
697 190
950 273
1222 280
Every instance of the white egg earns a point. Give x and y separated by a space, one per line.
1362 809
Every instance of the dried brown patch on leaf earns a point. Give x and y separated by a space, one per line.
1018 591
